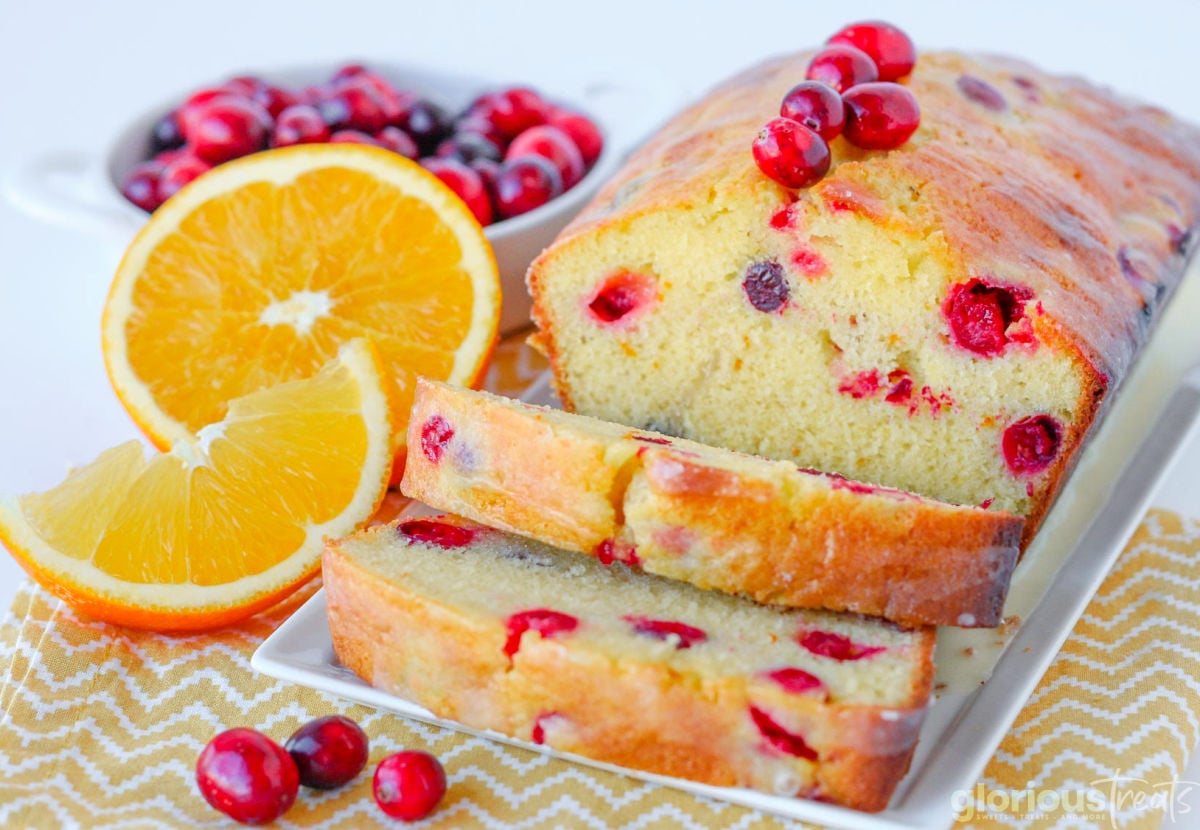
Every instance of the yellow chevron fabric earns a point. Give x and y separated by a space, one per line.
101 727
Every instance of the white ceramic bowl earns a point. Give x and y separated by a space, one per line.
82 189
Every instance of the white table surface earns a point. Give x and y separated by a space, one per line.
74 72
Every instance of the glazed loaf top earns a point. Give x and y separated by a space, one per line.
1086 199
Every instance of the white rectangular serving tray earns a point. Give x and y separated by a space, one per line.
984 676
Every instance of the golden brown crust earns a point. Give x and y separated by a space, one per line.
725 521
634 714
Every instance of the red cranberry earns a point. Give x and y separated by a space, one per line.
766 286
166 134
243 85
489 173
346 71
880 116
275 99
435 435
225 128
816 106
582 131
790 153
398 141
247 776
409 785
538 733
477 124
610 550
980 315
512 111
890 48
179 172
553 144
328 751
439 534
620 294
426 122
469 147
358 105
796 681
685 636
836 646
1031 444
786 742
982 93
526 183
141 185
542 620
299 124
465 183
842 67
353 137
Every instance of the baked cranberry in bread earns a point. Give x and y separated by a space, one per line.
499 632
949 317
712 517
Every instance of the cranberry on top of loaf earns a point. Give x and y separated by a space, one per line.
499 632
948 317
708 516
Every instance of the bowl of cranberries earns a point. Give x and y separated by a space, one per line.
523 160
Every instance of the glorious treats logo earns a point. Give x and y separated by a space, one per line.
1108 801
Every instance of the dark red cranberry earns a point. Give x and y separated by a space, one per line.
225 128
582 131
553 144
358 105
880 116
178 172
980 314
437 533
542 620
610 550
409 785
620 294
526 183
247 776
790 153
685 636
816 106
299 124
836 646
1031 444
786 742
465 183
166 134
398 141
766 286
469 147
353 137
328 751
435 435
426 122
890 48
489 173
511 111
902 387
982 93
243 85
477 124
842 67
796 681
272 98
141 185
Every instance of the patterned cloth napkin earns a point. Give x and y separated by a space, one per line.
101 726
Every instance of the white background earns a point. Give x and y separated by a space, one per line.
72 73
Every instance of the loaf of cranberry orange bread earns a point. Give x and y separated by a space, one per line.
712 517
499 632
950 317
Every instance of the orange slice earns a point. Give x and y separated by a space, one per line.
230 520
259 270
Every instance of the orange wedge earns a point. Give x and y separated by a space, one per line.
230 520
259 270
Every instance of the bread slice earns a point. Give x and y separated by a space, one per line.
499 632
712 517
